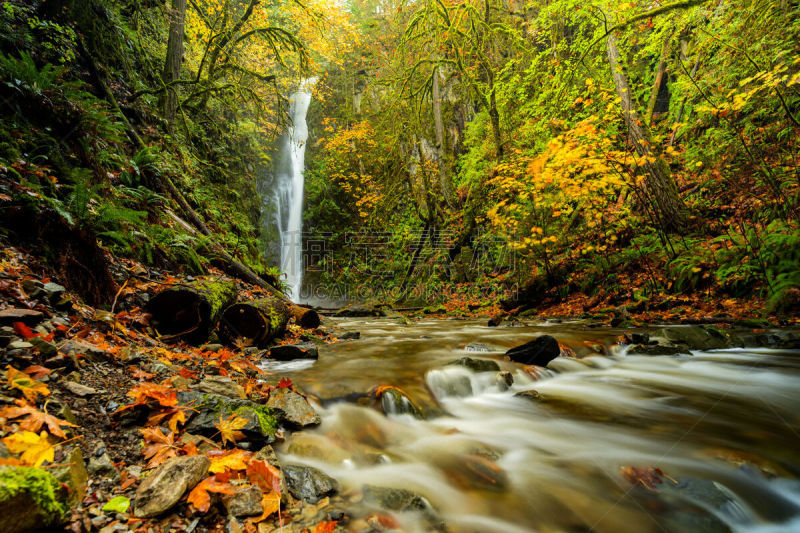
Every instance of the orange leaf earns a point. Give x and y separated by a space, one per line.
30 388
325 527
270 503
142 392
229 428
160 448
221 461
36 371
266 476
35 419
199 496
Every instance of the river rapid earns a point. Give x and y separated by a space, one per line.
609 442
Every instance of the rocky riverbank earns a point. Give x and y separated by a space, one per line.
106 428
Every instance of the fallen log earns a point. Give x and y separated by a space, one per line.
254 323
304 317
190 312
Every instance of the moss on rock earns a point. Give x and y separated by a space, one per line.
30 500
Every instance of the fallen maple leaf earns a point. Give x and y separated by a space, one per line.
229 428
173 416
221 461
326 527
199 496
266 476
285 383
24 331
270 503
164 395
35 418
160 448
36 371
30 387
35 449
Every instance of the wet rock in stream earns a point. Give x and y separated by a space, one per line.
539 351
395 402
308 484
292 409
401 500
476 365
289 352
658 349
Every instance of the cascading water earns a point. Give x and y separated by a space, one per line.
289 189
611 443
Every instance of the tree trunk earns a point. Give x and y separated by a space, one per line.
304 317
494 115
189 312
444 179
254 323
660 70
660 186
172 63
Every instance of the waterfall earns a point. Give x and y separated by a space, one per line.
289 189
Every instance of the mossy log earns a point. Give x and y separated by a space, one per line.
254 323
190 312
305 317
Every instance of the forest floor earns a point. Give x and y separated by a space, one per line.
97 399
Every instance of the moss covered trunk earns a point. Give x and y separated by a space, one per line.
254 323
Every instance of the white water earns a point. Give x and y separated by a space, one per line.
289 189
722 425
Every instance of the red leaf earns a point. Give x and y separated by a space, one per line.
24 331
266 476
285 383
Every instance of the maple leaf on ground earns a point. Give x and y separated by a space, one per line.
30 387
285 383
266 476
24 331
35 418
173 416
36 371
160 447
35 449
229 428
138 373
199 496
270 503
142 392
222 461
326 527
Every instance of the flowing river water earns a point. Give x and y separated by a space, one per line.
722 428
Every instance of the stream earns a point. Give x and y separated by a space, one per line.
614 442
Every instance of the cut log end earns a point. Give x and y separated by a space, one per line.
180 314
305 318
254 323
189 313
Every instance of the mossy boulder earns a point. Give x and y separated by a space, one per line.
697 337
209 408
31 499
